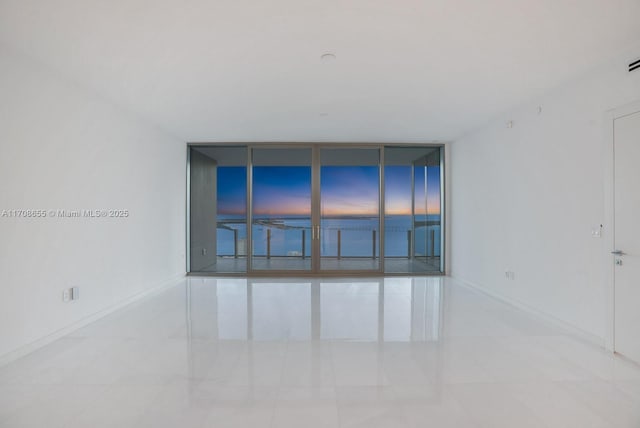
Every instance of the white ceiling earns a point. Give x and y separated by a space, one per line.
240 70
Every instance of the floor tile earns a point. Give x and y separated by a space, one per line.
395 352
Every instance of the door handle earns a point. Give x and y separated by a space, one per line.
617 253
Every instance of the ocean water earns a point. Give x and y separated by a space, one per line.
357 237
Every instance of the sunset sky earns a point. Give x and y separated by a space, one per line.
344 190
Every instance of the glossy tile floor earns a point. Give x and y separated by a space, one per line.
395 352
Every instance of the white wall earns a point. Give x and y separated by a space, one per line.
63 148
526 199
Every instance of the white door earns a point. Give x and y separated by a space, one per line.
627 235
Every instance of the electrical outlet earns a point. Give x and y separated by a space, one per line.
66 295
508 274
204 251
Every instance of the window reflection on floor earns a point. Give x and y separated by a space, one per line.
389 309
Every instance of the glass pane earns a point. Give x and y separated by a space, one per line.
397 226
218 209
412 209
281 229
349 203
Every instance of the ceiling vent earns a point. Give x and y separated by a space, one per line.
634 65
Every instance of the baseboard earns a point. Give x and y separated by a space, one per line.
39 343
570 328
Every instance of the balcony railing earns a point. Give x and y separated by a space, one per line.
239 245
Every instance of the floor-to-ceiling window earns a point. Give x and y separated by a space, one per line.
315 208
413 214
281 209
350 209
218 209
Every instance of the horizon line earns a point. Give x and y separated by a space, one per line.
352 214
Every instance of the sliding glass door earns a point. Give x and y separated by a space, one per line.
315 209
281 209
350 209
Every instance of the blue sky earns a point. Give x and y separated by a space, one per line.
344 190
